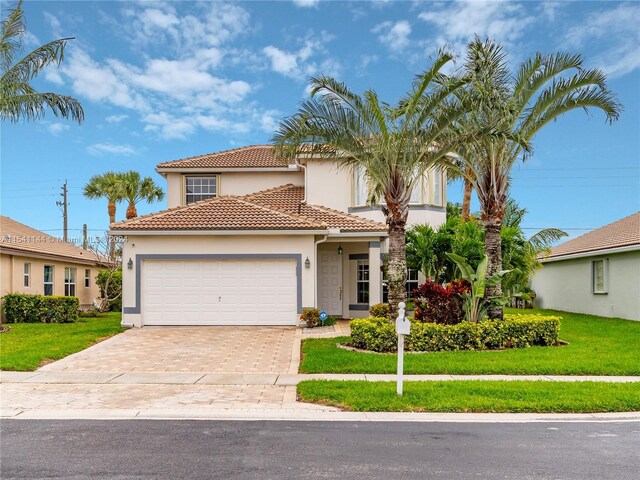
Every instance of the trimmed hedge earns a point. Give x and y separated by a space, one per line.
515 331
21 308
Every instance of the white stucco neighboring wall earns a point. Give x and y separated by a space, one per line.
567 285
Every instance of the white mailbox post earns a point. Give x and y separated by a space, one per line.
403 327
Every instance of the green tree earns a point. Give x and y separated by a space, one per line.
136 189
505 113
18 99
393 144
107 185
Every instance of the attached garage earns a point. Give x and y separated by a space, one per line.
219 291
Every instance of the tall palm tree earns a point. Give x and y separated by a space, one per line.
393 144
137 189
508 111
18 99
109 186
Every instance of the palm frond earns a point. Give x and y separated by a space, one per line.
32 106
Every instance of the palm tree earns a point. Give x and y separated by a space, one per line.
508 111
462 172
18 99
109 186
137 189
393 145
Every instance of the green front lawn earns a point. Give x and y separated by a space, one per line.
597 346
28 345
474 396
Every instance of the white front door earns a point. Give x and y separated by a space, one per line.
219 292
330 282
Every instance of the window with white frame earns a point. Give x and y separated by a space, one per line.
200 188
69 282
436 198
599 276
362 282
87 277
27 274
411 284
48 279
360 186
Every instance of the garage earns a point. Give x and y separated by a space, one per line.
219 292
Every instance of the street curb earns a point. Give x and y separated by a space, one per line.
301 414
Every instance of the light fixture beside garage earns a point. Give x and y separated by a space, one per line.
130 264
340 249
307 263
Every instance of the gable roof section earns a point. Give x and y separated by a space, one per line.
21 238
623 233
221 213
289 198
252 156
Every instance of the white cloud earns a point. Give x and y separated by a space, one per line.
53 76
505 22
57 128
306 3
549 8
100 149
394 36
304 61
116 118
614 34
54 23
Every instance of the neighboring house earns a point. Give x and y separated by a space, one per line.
36 263
596 273
248 240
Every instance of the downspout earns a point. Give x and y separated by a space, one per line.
297 166
315 267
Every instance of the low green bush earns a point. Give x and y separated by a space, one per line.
22 308
311 316
380 310
515 331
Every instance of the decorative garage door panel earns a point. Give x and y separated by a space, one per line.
219 292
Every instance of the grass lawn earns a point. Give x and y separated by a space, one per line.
597 346
474 396
28 345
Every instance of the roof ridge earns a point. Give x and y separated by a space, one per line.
161 213
271 190
279 212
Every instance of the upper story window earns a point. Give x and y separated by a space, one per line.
27 274
437 193
200 188
48 279
599 276
361 189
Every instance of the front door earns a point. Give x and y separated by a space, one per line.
330 282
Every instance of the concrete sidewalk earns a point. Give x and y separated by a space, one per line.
200 378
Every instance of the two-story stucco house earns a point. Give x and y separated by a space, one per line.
248 240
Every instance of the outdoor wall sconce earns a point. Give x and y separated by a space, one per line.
340 250
130 264
307 263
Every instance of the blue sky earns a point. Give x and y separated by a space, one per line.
165 80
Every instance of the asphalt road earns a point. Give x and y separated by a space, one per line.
317 450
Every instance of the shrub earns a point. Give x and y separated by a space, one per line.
380 310
440 304
311 316
515 331
21 308
90 312
112 280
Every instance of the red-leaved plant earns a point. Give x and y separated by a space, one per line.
440 304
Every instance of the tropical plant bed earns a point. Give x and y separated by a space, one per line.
596 346
515 331
474 396
29 345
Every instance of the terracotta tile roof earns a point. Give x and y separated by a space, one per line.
19 237
289 198
221 213
623 233
252 156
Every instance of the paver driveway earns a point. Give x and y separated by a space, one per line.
254 350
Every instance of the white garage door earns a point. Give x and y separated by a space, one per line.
219 292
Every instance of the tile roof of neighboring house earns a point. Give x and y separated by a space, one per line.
623 233
279 208
220 213
289 198
252 156
17 236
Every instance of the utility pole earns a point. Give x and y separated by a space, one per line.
85 243
64 205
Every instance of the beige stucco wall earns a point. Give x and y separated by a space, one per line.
566 285
234 183
12 279
203 244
